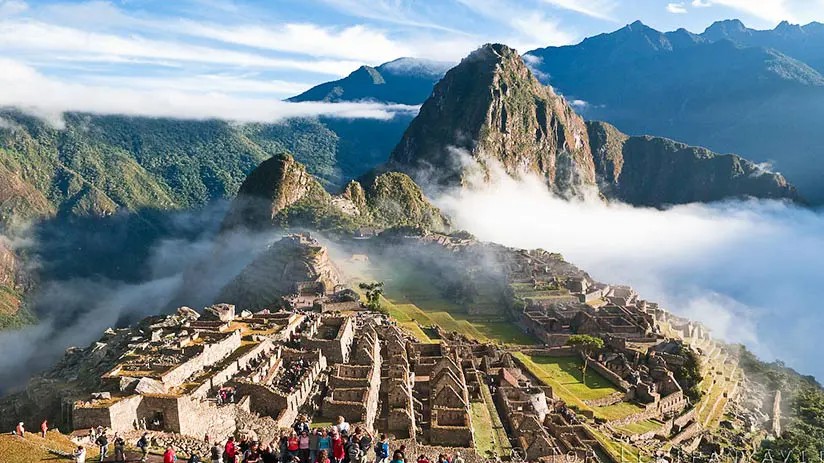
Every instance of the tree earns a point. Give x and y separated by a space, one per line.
374 291
586 344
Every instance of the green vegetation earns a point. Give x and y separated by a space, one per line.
564 374
803 427
98 164
586 344
373 292
640 427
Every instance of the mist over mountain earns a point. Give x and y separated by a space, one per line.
404 80
755 93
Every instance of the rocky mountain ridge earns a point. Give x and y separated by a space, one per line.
730 89
491 110
281 193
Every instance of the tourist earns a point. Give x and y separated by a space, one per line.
324 442
302 425
292 446
79 454
283 445
314 445
402 451
216 452
269 455
119 448
20 430
230 451
194 458
243 445
103 443
398 457
44 426
365 440
354 454
442 458
382 449
169 456
143 445
303 445
342 426
337 447
323 457
422 459
457 458
253 454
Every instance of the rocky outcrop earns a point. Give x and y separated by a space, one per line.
654 171
281 193
288 263
488 110
395 199
275 185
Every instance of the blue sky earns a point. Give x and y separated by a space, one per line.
212 57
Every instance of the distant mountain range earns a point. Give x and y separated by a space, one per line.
404 80
732 89
490 109
756 93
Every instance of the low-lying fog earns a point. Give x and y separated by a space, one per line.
752 271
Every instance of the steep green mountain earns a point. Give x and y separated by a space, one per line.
281 193
404 80
652 171
490 109
721 94
96 165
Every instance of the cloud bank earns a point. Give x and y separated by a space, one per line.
24 87
750 270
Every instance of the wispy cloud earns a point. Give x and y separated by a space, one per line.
352 43
12 7
676 8
22 86
528 28
600 9
33 36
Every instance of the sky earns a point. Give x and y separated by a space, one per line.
162 58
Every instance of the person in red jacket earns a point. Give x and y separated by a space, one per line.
44 426
338 449
169 456
230 449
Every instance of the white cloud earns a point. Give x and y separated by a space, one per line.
770 10
676 8
389 11
529 28
12 7
353 43
33 37
600 9
701 3
747 269
201 83
22 86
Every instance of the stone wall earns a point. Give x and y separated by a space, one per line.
212 353
608 374
196 418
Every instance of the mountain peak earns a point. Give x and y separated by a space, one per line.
490 109
725 29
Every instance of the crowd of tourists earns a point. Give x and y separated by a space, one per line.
338 443
292 374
